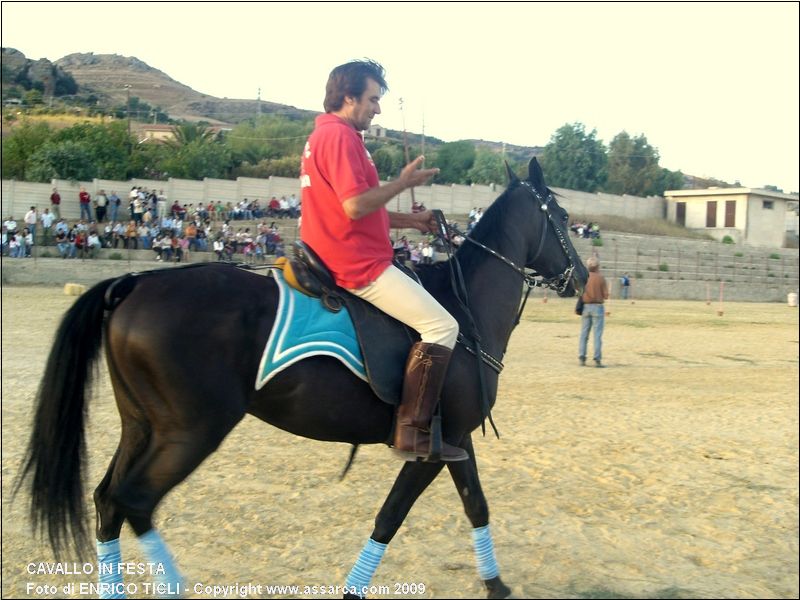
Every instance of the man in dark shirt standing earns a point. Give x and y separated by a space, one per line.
85 201
55 204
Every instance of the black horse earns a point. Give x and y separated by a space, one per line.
169 428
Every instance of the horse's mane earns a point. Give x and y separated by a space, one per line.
489 231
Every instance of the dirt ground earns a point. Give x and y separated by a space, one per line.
672 473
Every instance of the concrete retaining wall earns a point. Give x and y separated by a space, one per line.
19 196
57 271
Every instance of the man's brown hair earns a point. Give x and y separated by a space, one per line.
350 79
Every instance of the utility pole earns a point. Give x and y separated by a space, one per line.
408 159
128 111
422 151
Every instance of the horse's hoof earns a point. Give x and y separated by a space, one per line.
496 589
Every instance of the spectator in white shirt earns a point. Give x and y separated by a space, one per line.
31 218
47 219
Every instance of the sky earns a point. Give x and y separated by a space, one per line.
712 86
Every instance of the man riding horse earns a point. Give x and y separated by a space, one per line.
345 222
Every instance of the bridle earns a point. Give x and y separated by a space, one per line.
532 279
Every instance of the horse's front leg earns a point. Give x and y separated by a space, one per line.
465 476
410 483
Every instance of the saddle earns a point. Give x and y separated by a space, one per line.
306 273
384 341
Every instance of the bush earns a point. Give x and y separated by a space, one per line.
775 256
663 267
739 254
727 240
45 254
115 256
597 242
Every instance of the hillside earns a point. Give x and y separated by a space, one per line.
21 74
106 75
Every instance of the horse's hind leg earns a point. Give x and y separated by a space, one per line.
465 476
171 455
109 516
109 524
410 483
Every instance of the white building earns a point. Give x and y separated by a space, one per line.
749 216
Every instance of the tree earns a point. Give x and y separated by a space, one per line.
487 168
186 133
65 159
33 97
20 145
267 137
668 180
632 166
454 160
287 166
108 145
148 160
389 161
197 159
574 159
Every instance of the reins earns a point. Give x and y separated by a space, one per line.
460 292
530 280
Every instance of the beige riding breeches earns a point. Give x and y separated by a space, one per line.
396 294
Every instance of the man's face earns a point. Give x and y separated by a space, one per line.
363 109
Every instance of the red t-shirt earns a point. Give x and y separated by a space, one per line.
336 166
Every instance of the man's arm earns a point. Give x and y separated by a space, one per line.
374 198
423 221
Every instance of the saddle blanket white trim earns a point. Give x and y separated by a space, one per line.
304 328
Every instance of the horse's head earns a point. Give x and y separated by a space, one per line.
549 250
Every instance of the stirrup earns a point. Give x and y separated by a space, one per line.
409 456
438 450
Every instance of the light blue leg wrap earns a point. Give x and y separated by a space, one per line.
484 553
168 579
365 567
109 576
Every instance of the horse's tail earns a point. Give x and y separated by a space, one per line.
57 450
350 461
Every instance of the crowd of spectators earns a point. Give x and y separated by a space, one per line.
585 230
150 222
147 221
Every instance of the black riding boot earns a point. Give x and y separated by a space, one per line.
425 371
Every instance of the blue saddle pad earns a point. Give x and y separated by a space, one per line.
304 328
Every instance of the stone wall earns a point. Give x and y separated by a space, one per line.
57 272
19 196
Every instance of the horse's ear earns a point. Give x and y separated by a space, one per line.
535 175
512 177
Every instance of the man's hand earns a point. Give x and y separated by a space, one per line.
412 175
374 198
424 221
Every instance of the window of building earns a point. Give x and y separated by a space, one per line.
768 204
